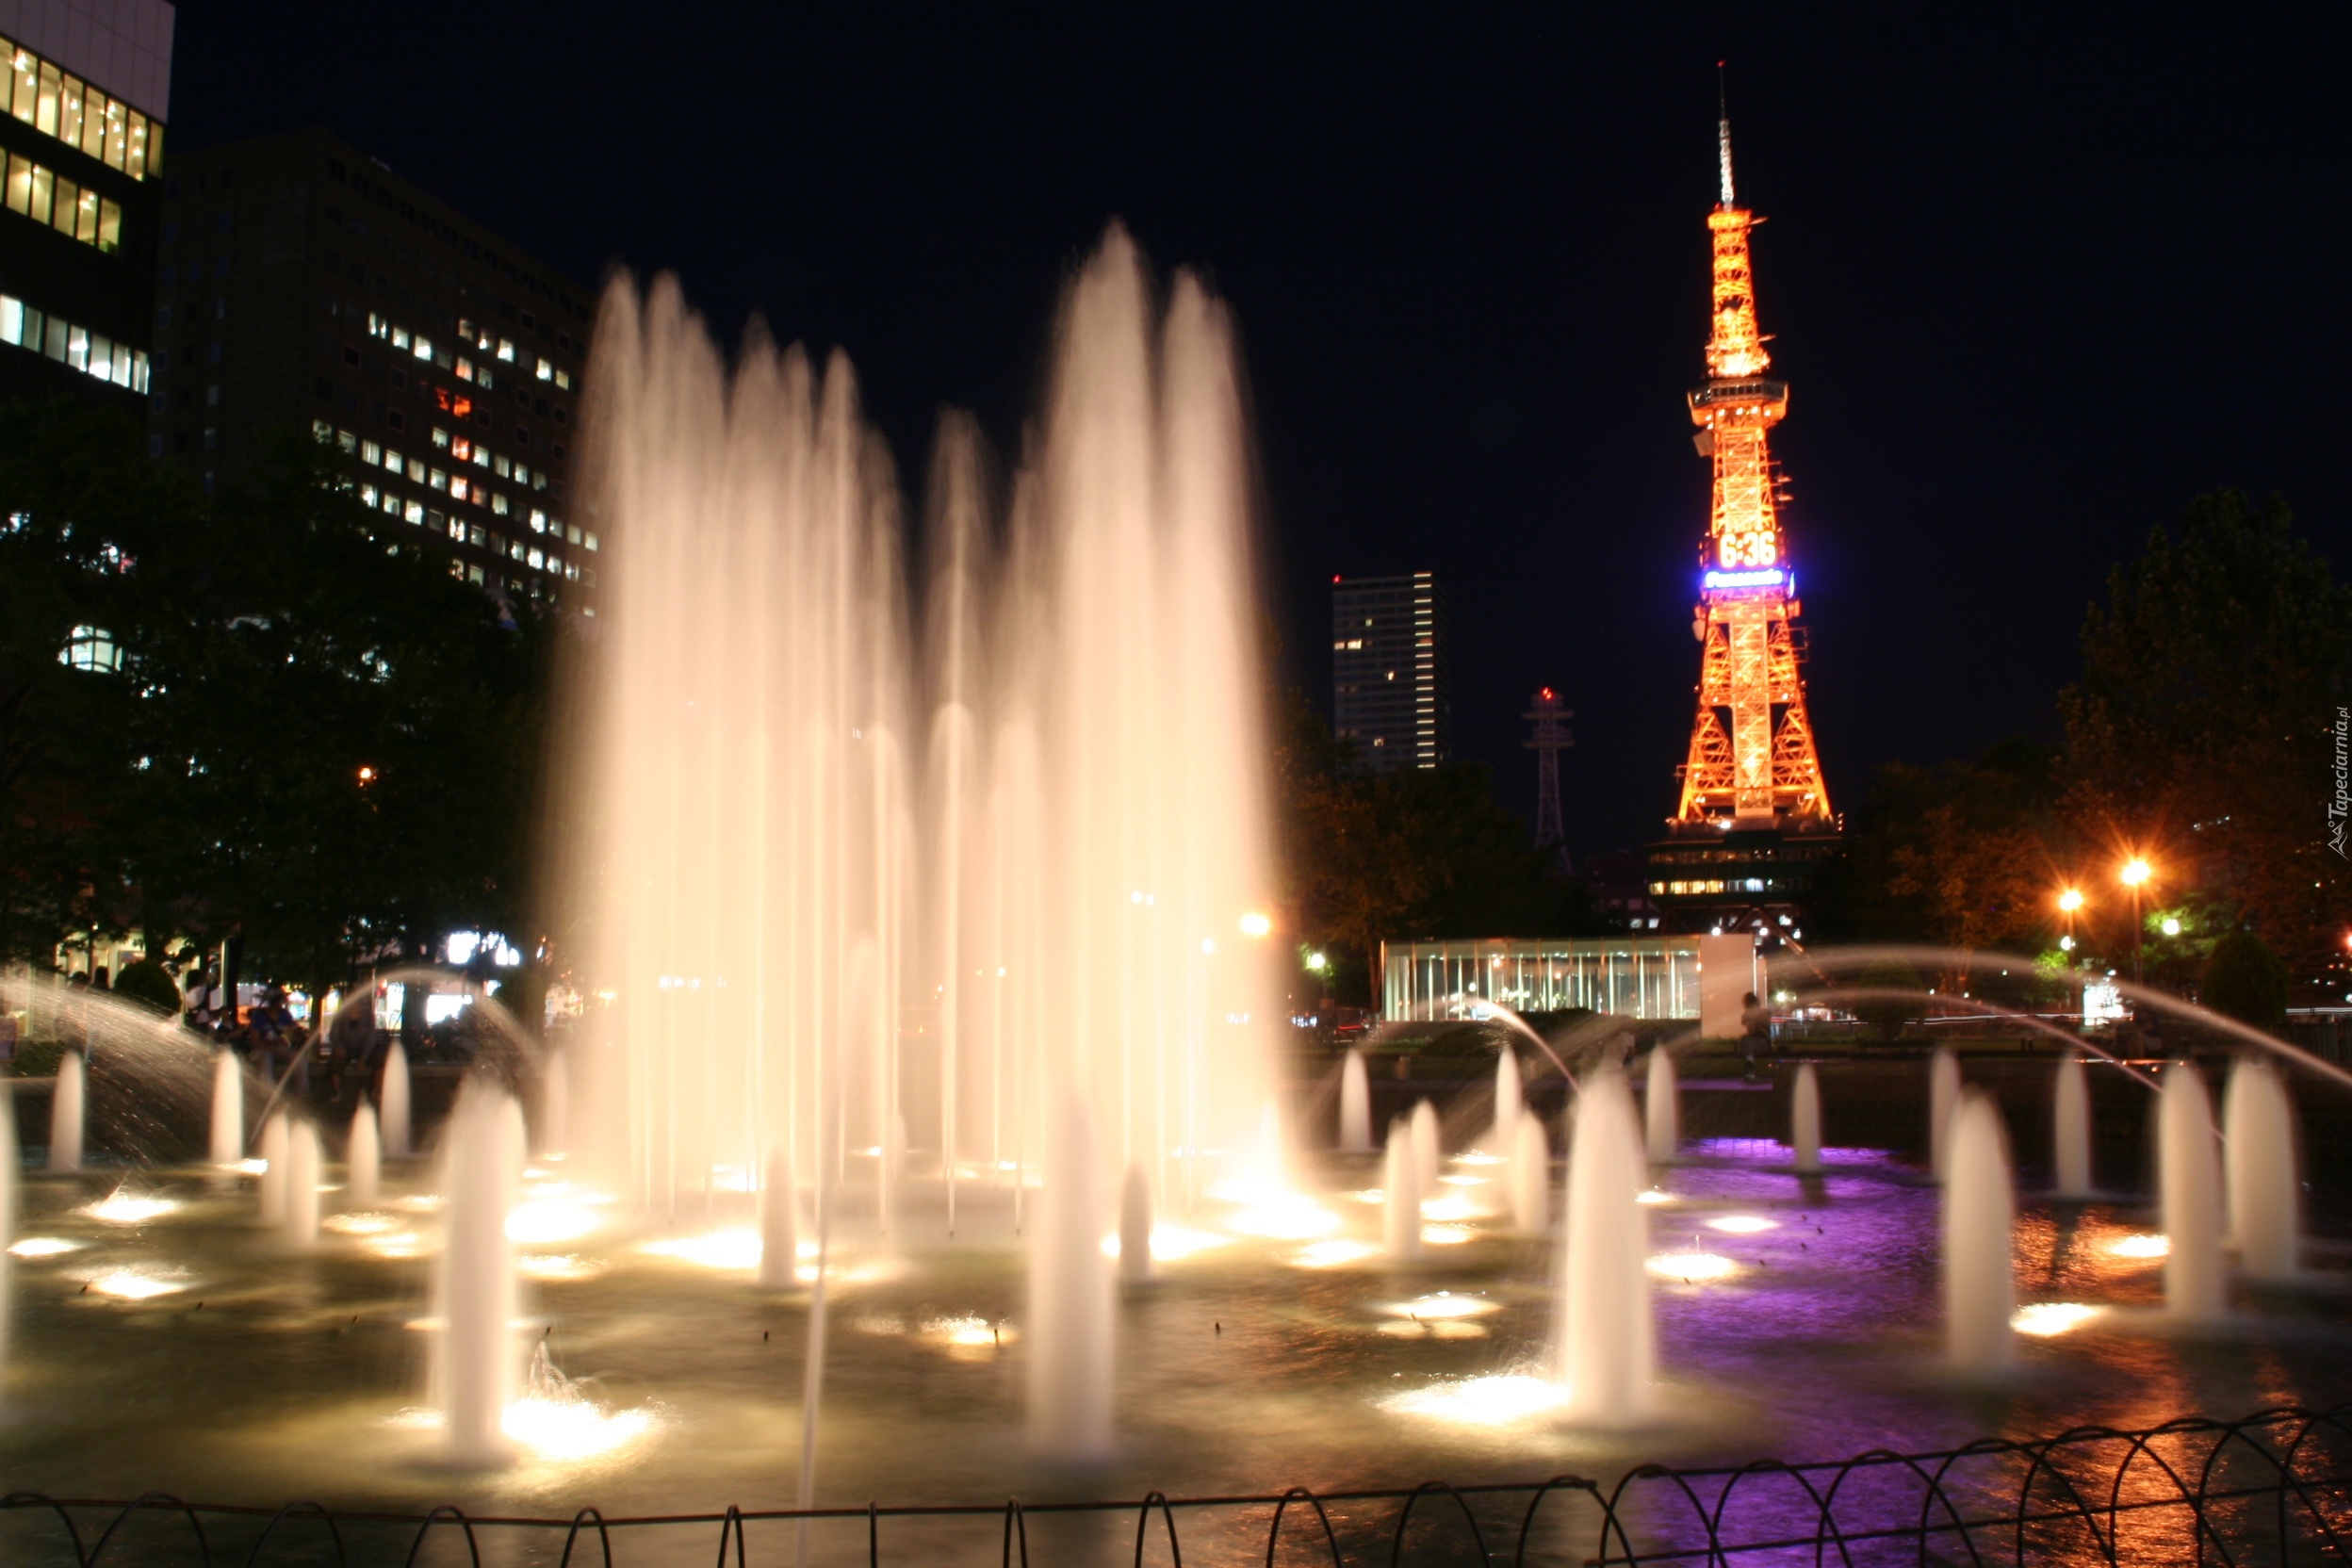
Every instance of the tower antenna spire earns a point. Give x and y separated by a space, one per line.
1722 131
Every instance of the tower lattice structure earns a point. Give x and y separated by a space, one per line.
1753 762
1551 736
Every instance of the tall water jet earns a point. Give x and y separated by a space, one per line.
1662 1108
228 1108
363 1159
478 1367
555 1102
1135 1228
301 1183
1057 782
1531 1177
1605 1336
1980 1211
66 1115
2189 1185
1429 1157
1943 1100
1509 1096
270 1199
392 1104
2070 1128
779 1224
1070 1300
2259 1155
1355 1105
1401 1194
12 1165
1804 1119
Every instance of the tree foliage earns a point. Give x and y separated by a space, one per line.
2245 980
2201 730
316 737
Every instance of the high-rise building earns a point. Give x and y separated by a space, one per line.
1388 673
1754 824
84 93
303 286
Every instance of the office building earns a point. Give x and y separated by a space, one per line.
85 91
301 286
1389 670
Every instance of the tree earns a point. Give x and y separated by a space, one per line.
2247 981
2201 732
306 731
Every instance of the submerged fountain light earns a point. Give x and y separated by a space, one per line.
2043 1319
541 1221
570 1430
1742 1224
2145 1245
1446 1235
124 1208
723 1250
1171 1242
1491 1401
1336 1253
44 1246
1441 1306
557 1266
1286 1217
1691 1268
366 1222
134 1284
1653 1194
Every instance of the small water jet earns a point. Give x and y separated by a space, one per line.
1531 1177
10 1164
301 1185
1355 1105
1661 1108
66 1114
392 1104
1804 1119
478 1367
1400 1196
2070 1127
1509 1096
1429 1153
364 1160
779 1224
555 1102
1605 1336
1943 1100
228 1108
1135 1228
1980 1211
2189 1184
2258 1128
270 1198
1071 1299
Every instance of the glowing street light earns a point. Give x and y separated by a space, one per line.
1318 963
2134 875
2070 900
2135 872
1255 924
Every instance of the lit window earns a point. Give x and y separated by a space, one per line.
392 503
424 348
573 533
506 348
535 561
415 512
538 521
400 337
464 369
547 371
320 429
474 535
439 480
591 543
501 466
571 570
416 471
457 528
481 457
370 453
564 380
460 448
93 648
457 489
473 575
440 438
346 440
498 506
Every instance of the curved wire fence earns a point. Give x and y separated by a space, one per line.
2273 1488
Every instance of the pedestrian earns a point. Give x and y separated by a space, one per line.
1756 1030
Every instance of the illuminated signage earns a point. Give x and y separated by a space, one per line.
1772 578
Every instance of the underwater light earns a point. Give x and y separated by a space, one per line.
363 1222
2045 1319
1489 1401
1443 1305
557 1266
1691 1268
541 1221
1446 1235
1285 1218
969 1331
1336 1253
44 1246
124 1208
130 1285
1742 1224
573 1430
2140 1246
717 1249
1652 1195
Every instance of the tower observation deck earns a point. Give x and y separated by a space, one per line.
1754 818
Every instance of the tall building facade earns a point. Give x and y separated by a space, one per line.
1390 680
300 286
84 93
1754 824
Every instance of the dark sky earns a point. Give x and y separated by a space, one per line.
2037 276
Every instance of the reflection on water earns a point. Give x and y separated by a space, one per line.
1796 1316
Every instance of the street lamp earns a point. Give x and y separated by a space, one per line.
2135 877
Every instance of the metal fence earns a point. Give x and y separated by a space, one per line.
2273 1488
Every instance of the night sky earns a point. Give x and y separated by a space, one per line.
2035 279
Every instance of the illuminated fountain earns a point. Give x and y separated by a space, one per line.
1979 1291
392 1102
228 1108
1135 1228
1070 1301
1662 1108
67 1114
269 1193
1531 1177
1508 1095
1401 1194
363 1159
1943 1102
1355 1105
478 1365
1804 1119
1604 1338
2259 1145
300 1192
2070 1128
2189 1185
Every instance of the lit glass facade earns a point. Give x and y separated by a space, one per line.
1652 977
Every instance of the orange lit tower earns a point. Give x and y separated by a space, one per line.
1753 821
1753 762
